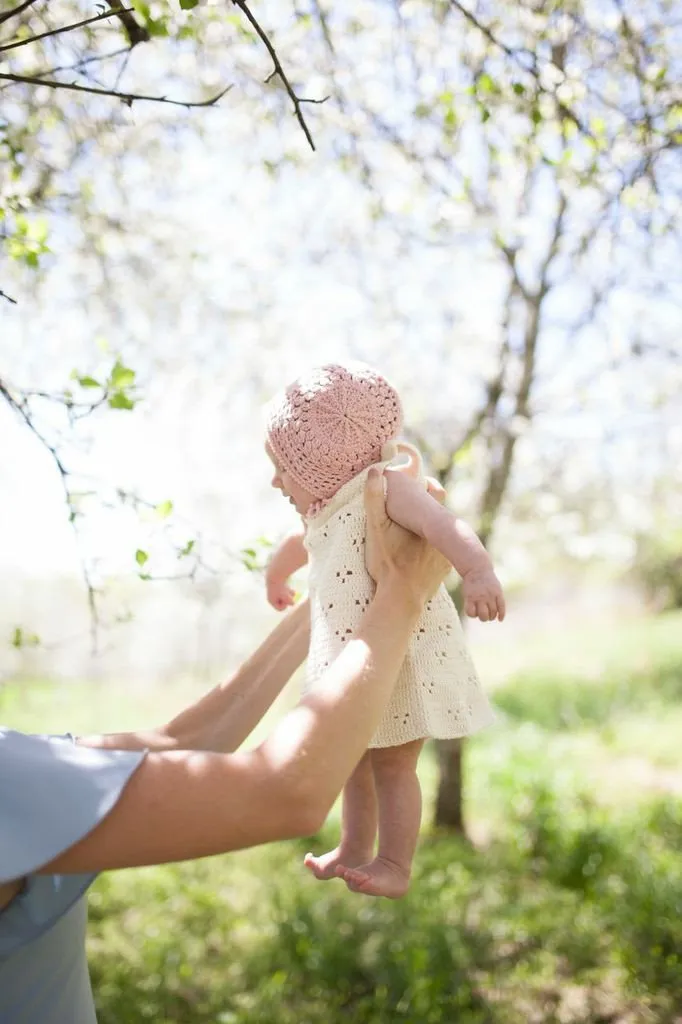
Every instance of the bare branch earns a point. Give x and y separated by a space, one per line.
529 66
135 32
4 295
485 30
97 58
279 70
126 97
20 408
16 10
64 28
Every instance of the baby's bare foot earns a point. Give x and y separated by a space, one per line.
324 867
380 877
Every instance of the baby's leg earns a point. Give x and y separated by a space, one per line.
359 825
400 804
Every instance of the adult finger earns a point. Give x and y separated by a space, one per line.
435 489
375 499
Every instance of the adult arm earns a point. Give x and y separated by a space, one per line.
222 719
183 804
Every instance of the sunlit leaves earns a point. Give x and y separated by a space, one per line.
28 241
119 387
254 558
20 638
164 509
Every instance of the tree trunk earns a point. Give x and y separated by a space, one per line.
449 810
449 800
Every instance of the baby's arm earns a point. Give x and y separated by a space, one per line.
285 560
409 504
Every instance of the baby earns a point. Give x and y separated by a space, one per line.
323 434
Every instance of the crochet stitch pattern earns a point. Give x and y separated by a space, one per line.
438 693
331 424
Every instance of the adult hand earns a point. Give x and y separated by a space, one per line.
394 554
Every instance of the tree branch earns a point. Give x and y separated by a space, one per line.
530 67
16 10
278 70
23 413
126 97
135 32
4 295
64 28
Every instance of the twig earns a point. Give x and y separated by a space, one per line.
492 38
16 10
4 295
127 97
79 64
530 68
64 28
279 70
135 32
21 410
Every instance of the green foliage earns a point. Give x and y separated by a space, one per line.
119 387
644 672
658 568
21 638
255 558
571 911
28 241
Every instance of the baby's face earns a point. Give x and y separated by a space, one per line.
281 481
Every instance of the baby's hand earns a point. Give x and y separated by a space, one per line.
483 597
280 594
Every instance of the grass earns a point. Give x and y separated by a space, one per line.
567 911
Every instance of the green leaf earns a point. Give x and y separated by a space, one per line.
119 400
450 118
187 5
485 84
164 509
141 557
22 639
187 550
121 376
88 382
464 454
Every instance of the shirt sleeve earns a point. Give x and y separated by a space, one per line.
53 793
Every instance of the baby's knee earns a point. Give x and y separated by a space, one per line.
387 761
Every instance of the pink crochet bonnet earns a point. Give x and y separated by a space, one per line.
332 423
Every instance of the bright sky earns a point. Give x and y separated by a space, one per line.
288 271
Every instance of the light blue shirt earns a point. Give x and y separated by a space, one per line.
52 793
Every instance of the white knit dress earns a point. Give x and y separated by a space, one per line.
438 693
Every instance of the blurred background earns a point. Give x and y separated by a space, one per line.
490 216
